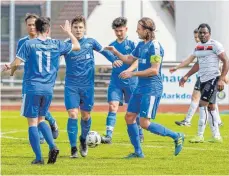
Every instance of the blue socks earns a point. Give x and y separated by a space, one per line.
111 120
40 134
133 133
161 130
49 118
139 127
34 140
85 127
72 129
47 133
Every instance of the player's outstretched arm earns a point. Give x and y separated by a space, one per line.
128 72
14 65
193 70
128 59
133 66
184 63
67 30
225 67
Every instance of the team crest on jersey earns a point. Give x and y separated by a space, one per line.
87 45
127 47
145 50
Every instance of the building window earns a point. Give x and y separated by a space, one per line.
5 27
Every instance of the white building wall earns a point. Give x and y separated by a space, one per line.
99 24
189 14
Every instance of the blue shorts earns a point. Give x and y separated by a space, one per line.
34 106
146 105
75 97
119 93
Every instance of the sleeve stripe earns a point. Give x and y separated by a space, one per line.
20 58
70 49
157 48
101 50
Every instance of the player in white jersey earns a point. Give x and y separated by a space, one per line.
196 92
208 52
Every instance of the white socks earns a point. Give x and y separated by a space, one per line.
191 111
217 112
202 120
213 122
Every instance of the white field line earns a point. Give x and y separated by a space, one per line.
3 135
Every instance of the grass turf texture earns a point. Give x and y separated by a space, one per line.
195 159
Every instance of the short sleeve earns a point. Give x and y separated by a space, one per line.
135 53
18 46
23 52
96 46
218 48
65 47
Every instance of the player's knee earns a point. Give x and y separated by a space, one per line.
41 119
144 123
86 118
73 113
32 121
211 107
113 107
85 115
130 118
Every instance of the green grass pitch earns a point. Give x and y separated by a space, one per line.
195 159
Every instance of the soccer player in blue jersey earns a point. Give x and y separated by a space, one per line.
120 88
147 95
79 85
41 57
30 26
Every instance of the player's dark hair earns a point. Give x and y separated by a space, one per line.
79 19
149 25
31 15
119 22
204 25
195 31
42 24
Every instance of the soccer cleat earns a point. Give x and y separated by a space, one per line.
83 147
220 124
74 153
106 140
53 153
218 139
42 140
55 131
183 123
134 155
37 161
179 142
141 138
197 139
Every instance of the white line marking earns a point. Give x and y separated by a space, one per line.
117 144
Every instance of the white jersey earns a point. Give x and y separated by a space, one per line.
207 55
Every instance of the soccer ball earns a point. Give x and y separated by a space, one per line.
93 139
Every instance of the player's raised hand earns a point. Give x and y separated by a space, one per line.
110 48
117 63
183 81
67 27
126 74
5 68
172 70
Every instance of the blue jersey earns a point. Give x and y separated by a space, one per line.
125 47
80 65
21 42
41 64
146 53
